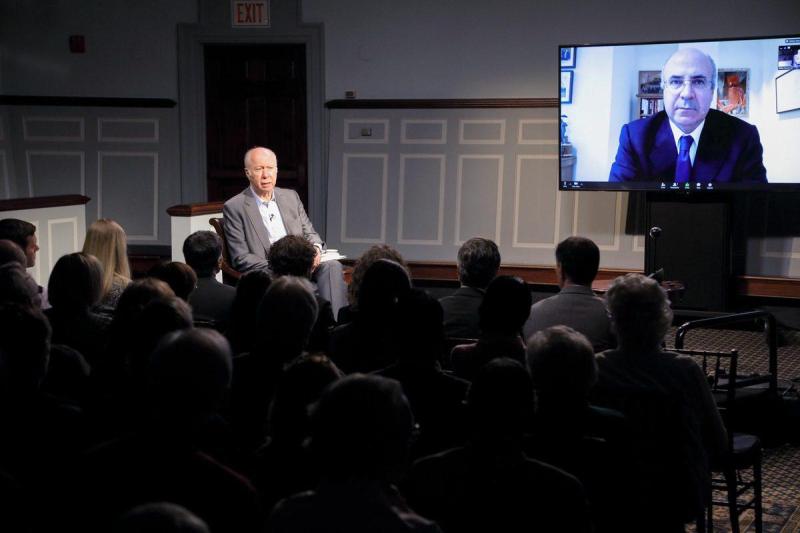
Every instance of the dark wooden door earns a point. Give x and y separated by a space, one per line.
255 96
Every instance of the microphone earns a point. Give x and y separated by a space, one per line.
655 232
658 275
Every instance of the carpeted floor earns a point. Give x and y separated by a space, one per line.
781 459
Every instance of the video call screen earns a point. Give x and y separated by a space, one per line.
695 115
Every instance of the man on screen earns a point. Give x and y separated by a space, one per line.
688 142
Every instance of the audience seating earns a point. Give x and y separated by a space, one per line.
744 450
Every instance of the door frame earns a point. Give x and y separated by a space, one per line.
192 101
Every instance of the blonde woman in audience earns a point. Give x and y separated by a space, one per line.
106 240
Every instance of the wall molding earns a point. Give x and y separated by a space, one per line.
463 103
85 101
19 204
191 210
753 286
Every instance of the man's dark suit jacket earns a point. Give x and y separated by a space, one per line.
461 313
212 300
729 151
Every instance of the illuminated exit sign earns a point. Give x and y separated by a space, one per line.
250 13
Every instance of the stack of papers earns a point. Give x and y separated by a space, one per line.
331 255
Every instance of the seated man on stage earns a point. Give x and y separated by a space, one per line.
262 214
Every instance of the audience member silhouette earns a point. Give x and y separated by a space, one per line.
436 398
74 289
373 253
110 374
490 484
367 343
17 286
576 305
179 276
360 433
667 399
41 434
106 240
284 466
478 262
160 316
210 300
10 252
293 255
160 517
503 311
285 319
187 378
23 234
587 441
250 290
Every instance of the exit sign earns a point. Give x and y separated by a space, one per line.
250 13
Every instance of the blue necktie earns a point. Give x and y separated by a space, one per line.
683 167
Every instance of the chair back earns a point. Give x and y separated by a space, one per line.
230 276
720 368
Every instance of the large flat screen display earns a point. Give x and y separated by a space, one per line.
687 116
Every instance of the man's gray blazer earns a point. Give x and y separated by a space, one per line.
246 235
578 307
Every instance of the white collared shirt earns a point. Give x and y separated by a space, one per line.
677 134
271 216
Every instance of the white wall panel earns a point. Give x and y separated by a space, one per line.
364 198
421 199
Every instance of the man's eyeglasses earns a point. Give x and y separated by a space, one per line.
699 83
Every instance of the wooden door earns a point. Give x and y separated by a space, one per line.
255 96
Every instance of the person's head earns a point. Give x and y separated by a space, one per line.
159 317
505 306
286 316
75 282
18 287
179 276
688 78
640 312
577 261
188 375
10 252
378 251
24 348
261 169
135 297
562 364
106 240
291 255
420 328
361 428
160 517
249 292
300 385
478 261
384 283
23 234
500 402
203 251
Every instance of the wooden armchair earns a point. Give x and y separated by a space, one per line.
230 276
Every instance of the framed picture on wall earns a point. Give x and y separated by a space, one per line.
568 57
567 78
733 91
